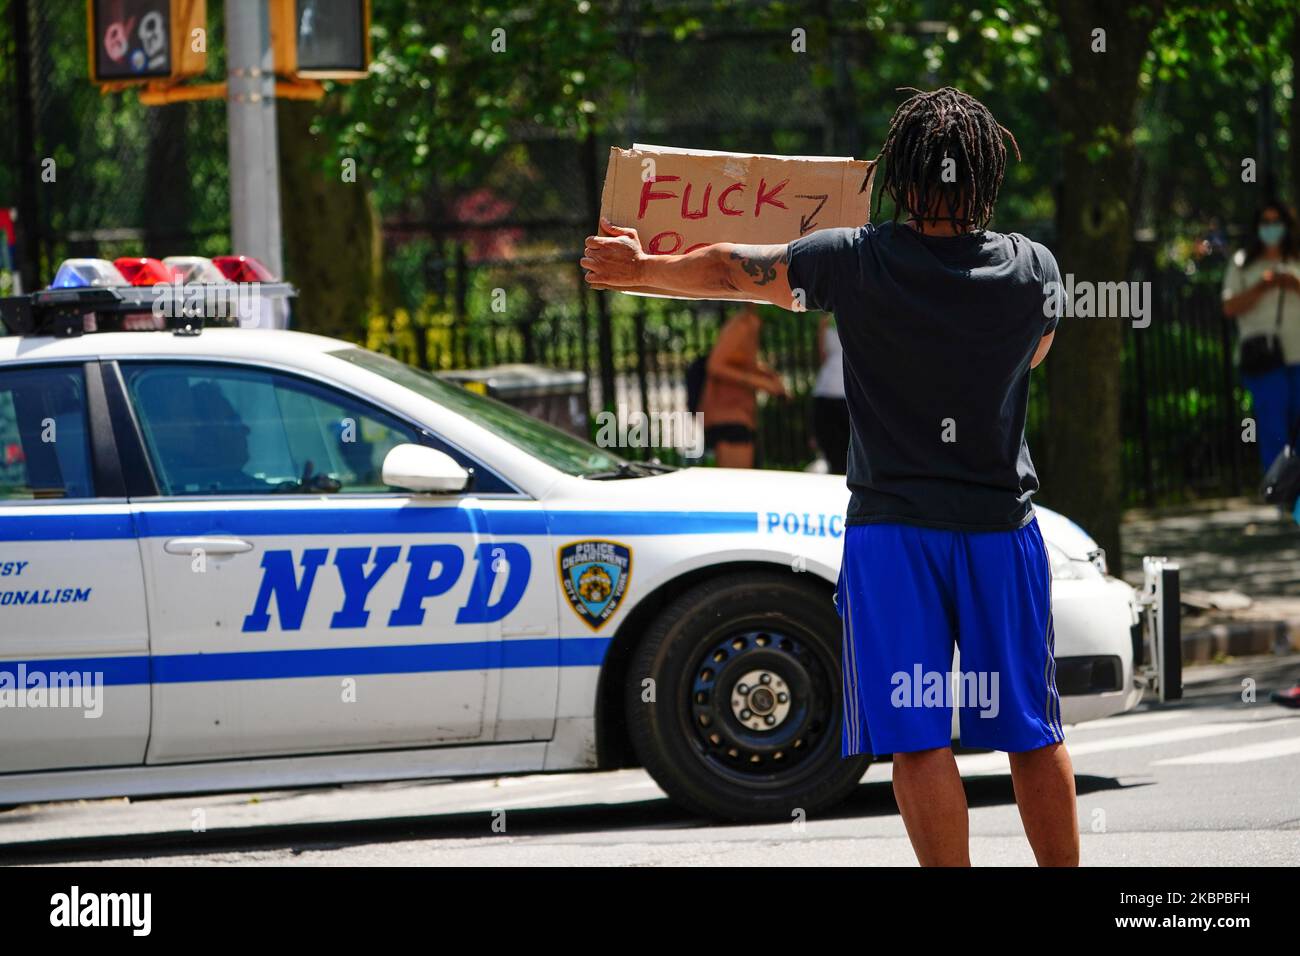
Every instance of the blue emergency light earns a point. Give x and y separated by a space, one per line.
87 274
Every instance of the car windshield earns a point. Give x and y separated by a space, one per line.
556 448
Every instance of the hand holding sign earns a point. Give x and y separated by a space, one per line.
613 259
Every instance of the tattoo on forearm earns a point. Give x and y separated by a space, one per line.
760 262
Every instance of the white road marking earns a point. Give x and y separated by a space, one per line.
1129 720
1265 750
997 762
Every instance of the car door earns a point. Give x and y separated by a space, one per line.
296 603
525 688
74 639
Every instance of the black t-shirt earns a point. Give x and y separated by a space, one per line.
938 334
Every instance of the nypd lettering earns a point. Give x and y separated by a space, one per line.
594 575
807 524
11 568
431 571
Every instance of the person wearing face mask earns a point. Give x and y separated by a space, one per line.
1261 291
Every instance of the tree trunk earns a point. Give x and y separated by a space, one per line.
331 235
1096 98
1293 131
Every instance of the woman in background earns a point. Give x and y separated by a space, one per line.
1261 290
830 409
734 377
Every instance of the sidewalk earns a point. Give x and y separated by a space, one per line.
1240 574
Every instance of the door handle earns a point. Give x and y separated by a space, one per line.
208 544
525 630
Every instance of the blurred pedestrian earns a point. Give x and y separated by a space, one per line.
1261 291
735 375
830 408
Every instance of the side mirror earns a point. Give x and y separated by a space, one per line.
418 468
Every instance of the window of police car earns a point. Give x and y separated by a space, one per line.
225 430
543 441
44 441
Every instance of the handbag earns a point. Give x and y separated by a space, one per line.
1281 484
1261 354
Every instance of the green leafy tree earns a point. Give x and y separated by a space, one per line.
453 85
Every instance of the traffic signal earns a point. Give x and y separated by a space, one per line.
321 39
146 41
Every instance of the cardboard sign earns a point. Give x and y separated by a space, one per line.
679 199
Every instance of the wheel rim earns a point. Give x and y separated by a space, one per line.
760 707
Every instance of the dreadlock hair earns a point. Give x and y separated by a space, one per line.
930 128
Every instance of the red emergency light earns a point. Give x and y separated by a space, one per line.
242 269
142 270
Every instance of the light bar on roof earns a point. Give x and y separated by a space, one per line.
183 309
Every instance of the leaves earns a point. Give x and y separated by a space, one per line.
452 84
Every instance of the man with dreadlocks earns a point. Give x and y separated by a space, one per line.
941 321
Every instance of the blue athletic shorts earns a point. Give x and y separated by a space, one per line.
907 595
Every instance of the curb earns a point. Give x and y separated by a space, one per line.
1240 639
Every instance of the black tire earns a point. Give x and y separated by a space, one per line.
694 739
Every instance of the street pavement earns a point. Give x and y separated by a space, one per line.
1212 781
1240 579
1229 545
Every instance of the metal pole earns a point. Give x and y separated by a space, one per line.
250 112
29 218
604 325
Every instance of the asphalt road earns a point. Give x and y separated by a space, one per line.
1211 781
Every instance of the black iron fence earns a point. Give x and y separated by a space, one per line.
1182 404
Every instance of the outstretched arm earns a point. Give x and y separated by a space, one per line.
723 270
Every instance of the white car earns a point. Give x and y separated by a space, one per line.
247 558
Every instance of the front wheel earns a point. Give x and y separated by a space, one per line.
745 718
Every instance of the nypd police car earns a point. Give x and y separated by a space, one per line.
238 558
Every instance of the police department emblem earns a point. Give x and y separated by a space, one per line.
594 575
